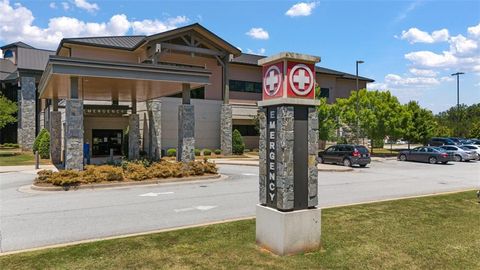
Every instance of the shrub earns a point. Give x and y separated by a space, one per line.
102 173
172 152
66 178
209 167
207 152
197 152
136 171
255 150
238 145
217 151
44 176
44 145
161 169
37 140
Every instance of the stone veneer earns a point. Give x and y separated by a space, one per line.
134 137
284 156
312 157
155 135
55 127
262 153
226 129
26 125
186 133
74 134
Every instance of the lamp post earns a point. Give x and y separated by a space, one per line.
357 109
458 99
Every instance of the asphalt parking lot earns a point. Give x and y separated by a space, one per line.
32 219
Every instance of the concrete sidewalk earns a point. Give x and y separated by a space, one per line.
26 168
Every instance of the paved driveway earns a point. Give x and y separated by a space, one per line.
30 220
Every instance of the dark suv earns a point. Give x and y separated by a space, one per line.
346 154
440 142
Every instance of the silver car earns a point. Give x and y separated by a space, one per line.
475 148
460 153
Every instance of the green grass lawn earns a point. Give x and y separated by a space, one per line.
14 157
438 232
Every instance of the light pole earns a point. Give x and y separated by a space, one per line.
357 108
458 99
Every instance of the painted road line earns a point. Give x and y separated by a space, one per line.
200 208
155 194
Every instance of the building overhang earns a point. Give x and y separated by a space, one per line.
105 80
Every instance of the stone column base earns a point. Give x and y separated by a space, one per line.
287 233
56 137
133 137
226 129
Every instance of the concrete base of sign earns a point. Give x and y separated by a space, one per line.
287 233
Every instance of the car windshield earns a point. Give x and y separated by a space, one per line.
470 146
464 148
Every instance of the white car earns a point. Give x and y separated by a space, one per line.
475 148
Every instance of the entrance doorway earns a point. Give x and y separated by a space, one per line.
105 139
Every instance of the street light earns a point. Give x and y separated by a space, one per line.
458 99
357 100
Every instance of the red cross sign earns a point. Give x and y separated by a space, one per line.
273 81
301 80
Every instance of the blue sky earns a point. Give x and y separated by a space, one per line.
409 47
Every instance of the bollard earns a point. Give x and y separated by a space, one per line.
37 161
111 155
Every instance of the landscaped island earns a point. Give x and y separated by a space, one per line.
126 171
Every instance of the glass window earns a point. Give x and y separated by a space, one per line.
246 130
198 93
245 86
324 92
330 149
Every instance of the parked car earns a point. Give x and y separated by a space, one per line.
475 141
460 153
428 154
472 147
457 141
346 154
440 142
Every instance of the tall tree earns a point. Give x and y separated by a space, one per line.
420 125
8 109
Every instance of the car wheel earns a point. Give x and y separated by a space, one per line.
320 160
432 160
458 158
445 162
347 163
403 157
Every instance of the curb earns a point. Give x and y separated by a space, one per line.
128 184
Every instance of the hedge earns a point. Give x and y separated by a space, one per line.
238 146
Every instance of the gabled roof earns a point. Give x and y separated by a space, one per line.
17 44
133 42
252 59
202 31
115 42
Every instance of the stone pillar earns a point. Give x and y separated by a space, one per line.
134 137
262 153
284 158
312 157
74 134
186 133
27 124
55 127
226 129
155 119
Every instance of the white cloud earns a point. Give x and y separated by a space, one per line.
430 59
474 31
411 7
17 24
446 79
148 27
423 72
65 6
260 51
85 5
460 45
52 5
415 35
301 9
258 33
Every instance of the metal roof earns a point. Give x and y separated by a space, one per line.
8 70
32 59
16 44
252 59
118 42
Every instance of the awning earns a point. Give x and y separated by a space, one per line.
103 80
